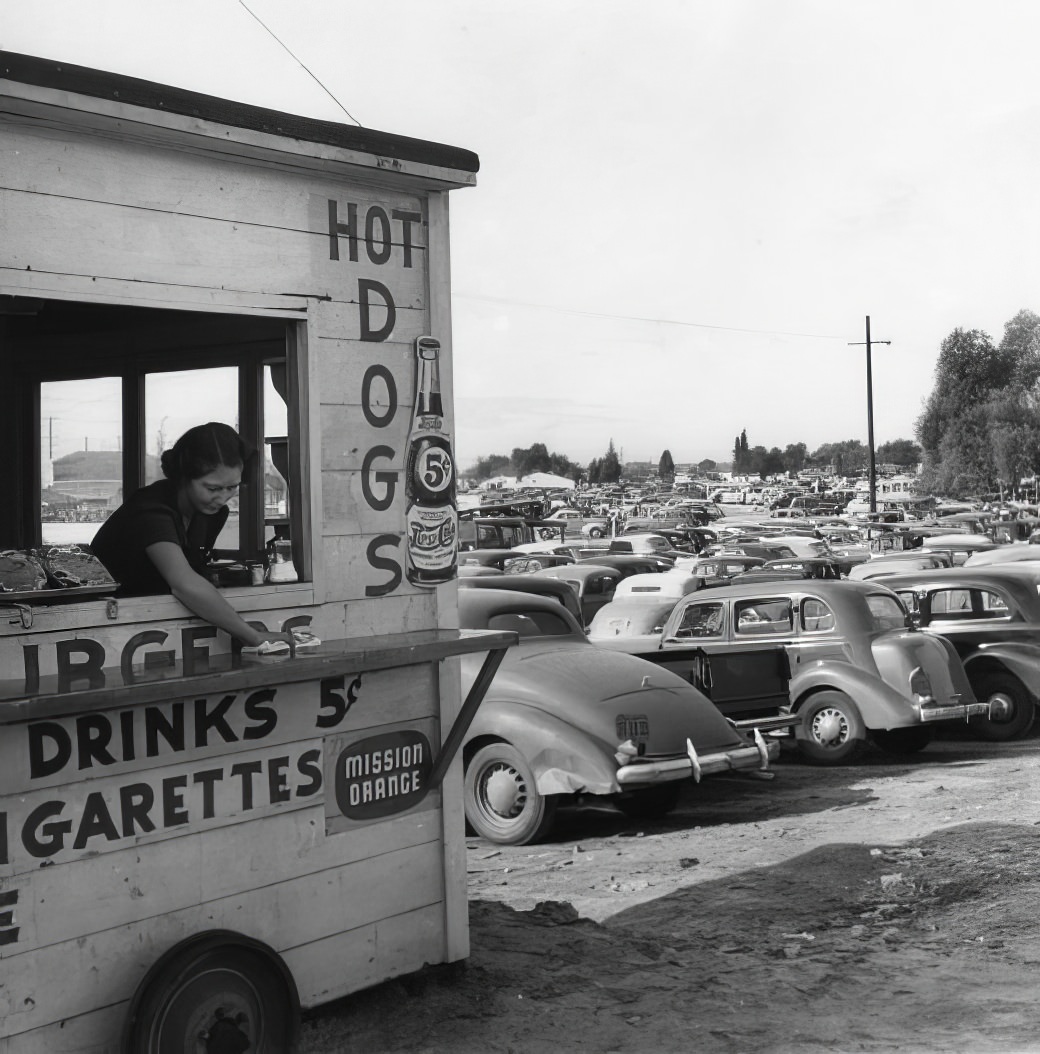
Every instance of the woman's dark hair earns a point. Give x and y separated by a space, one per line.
202 449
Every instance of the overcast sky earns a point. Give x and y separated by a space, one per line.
685 209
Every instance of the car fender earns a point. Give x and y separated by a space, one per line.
880 705
564 760
1023 660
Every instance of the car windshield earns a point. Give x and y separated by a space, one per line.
886 612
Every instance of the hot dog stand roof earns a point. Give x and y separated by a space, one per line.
132 91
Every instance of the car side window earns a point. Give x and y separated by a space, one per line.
909 599
757 617
599 585
949 604
816 616
702 620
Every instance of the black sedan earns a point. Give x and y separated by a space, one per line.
991 615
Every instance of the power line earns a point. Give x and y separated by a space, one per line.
638 318
304 67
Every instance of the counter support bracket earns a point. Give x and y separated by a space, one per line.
467 712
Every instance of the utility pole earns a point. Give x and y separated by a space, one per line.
870 418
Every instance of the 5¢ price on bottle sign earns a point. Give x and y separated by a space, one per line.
433 470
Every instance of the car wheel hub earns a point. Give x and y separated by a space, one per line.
504 791
829 727
1001 707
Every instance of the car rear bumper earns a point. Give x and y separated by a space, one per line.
775 723
698 765
928 714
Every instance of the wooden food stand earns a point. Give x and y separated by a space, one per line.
197 841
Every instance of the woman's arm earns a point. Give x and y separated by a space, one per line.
201 598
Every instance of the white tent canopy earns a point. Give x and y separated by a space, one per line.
544 481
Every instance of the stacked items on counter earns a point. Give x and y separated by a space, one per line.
51 572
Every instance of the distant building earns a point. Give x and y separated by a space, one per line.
95 477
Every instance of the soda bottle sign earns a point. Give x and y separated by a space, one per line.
432 520
433 472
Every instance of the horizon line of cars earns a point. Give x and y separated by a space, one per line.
654 664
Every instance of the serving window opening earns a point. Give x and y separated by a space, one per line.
100 391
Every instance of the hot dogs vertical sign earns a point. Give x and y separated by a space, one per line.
431 520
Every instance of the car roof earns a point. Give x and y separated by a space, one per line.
649 608
476 606
609 559
483 556
658 584
1014 576
830 589
576 570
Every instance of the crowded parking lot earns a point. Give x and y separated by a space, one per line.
880 906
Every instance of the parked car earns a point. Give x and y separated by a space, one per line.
576 522
626 563
646 543
552 588
991 615
668 585
788 514
1004 554
563 718
912 560
528 562
686 539
858 669
771 550
795 568
719 568
498 532
497 558
592 584
961 546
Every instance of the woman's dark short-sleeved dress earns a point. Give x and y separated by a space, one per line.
151 515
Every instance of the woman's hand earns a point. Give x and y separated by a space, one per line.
202 598
264 636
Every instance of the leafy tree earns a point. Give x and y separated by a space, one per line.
964 462
611 468
968 371
794 457
492 465
741 454
1014 435
707 465
666 466
902 452
981 421
1021 344
765 462
595 470
772 463
536 458
848 458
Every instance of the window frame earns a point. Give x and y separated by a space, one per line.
153 350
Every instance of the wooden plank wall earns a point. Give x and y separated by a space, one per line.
93 215
138 852
139 224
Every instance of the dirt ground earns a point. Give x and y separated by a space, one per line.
887 906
